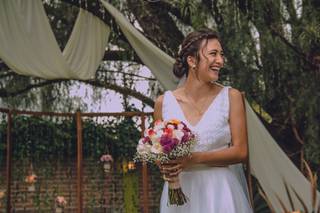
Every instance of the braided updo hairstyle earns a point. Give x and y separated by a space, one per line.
190 47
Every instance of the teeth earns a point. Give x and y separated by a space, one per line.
215 69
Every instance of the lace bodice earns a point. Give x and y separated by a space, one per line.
212 130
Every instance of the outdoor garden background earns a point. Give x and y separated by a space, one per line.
272 53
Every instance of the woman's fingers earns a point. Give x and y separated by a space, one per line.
171 172
170 179
169 169
176 173
172 162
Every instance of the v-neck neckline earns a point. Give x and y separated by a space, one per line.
203 115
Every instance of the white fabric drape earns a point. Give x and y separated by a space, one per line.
272 167
28 45
154 58
87 45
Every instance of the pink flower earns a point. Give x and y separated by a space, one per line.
158 124
106 158
145 140
61 201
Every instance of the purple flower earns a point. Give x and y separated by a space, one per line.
168 143
167 149
185 137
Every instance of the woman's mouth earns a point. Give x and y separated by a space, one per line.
215 69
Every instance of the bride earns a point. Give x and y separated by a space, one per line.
216 114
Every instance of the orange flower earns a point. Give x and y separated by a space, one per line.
174 121
31 179
2 194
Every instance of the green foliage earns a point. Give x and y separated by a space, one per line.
272 64
38 138
131 193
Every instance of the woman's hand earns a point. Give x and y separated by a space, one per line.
173 168
170 171
184 162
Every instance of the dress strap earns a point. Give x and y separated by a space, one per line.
226 102
167 106
170 107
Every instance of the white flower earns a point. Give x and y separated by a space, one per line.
143 148
156 148
180 126
170 126
158 126
159 133
178 134
154 138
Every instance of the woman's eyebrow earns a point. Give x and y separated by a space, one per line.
216 50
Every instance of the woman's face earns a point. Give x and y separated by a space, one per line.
211 60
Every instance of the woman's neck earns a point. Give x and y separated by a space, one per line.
197 89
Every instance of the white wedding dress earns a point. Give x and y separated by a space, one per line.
209 189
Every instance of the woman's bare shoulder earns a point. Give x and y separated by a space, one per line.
159 100
157 113
235 97
178 94
234 93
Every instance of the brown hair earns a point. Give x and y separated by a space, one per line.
190 47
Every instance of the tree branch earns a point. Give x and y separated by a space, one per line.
5 93
119 55
123 90
129 74
292 47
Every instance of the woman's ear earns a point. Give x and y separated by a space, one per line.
191 62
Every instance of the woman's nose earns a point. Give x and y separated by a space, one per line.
219 59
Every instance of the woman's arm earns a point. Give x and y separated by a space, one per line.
157 113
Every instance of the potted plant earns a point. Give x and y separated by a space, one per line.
31 180
60 204
107 161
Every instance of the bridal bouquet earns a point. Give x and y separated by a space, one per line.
167 140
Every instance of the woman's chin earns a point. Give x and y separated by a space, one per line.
213 76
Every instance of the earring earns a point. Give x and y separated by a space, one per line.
193 66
